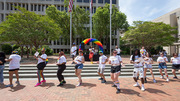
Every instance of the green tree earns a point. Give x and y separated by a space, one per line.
150 34
101 22
28 29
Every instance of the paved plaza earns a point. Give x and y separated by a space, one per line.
92 90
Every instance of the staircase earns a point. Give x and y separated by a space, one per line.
29 71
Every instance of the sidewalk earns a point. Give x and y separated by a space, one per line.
92 90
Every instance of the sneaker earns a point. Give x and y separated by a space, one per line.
175 77
64 81
79 84
114 85
136 85
145 81
61 84
9 85
37 84
142 88
154 81
118 91
103 81
162 77
43 81
167 80
17 82
91 62
100 79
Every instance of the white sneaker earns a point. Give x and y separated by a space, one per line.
167 80
142 88
162 77
79 84
136 85
154 81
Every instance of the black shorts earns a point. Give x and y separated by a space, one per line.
14 69
115 69
41 66
176 66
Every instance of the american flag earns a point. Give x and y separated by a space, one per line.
70 5
91 6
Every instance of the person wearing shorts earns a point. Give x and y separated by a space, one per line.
115 62
40 66
137 60
73 52
102 61
162 60
14 65
79 60
61 63
148 61
175 60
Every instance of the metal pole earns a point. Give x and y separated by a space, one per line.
110 25
70 31
90 22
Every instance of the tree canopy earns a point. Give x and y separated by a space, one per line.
150 34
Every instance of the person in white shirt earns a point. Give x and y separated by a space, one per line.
118 50
61 63
102 61
91 54
79 60
138 62
14 65
115 62
162 60
143 52
148 61
41 65
175 60
73 51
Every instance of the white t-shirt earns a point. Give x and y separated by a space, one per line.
61 60
143 52
175 60
136 59
161 59
73 50
115 60
148 60
102 59
118 50
80 58
44 56
15 62
91 50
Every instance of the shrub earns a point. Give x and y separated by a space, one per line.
7 48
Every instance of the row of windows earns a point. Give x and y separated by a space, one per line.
99 1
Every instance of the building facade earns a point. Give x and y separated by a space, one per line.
39 7
172 18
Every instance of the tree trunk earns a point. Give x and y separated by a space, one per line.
27 51
22 51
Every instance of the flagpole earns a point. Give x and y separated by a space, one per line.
90 21
110 25
70 31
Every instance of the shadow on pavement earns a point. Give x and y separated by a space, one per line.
68 86
2 86
48 85
89 85
109 82
156 91
17 88
130 92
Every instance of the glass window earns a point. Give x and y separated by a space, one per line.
62 8
94 1
39 7
87 8
7 6
27 6
31 7
2 6
79 0
11 6
43 7
2 17
23 5
15 5
58 7
86 1
113 1
107 1
100 1
56 0
94 9
66 9
35 6
55 42
19 5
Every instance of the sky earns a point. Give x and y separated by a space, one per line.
147 10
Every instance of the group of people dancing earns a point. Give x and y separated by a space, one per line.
141 59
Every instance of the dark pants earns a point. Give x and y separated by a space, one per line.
61 68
